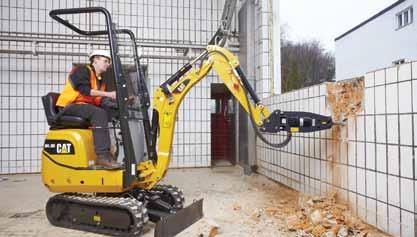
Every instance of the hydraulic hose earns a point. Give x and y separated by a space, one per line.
259 134
254 125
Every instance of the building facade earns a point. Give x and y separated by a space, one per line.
384 39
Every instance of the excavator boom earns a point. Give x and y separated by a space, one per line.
168 98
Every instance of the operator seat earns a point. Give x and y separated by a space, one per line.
59 121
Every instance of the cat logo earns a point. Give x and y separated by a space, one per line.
181 86
59 147
63 148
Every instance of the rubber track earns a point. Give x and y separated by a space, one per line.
175 193
135 209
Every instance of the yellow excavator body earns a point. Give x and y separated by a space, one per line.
66 158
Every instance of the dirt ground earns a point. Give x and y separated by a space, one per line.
234 203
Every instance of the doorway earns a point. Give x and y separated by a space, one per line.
222 126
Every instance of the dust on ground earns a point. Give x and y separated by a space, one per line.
234 205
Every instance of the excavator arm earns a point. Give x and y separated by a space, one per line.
168 98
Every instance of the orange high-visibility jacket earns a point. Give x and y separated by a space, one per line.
71 96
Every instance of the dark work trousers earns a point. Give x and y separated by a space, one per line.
98 118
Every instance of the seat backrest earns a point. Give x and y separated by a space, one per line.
49 102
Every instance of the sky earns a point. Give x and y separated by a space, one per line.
324 20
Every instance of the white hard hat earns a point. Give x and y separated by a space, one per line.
100 52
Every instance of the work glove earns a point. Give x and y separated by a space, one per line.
107 102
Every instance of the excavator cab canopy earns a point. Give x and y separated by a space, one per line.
131 111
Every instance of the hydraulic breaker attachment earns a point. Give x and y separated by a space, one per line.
296 122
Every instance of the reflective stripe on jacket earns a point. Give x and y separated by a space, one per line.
69 95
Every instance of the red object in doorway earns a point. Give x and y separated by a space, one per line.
221 132
220 140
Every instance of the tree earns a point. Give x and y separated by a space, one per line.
295 82
304 63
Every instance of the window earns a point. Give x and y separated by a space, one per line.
405 17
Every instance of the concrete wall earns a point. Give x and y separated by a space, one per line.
376 44
371 164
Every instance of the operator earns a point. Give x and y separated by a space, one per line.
84 95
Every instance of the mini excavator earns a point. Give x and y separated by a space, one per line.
120 202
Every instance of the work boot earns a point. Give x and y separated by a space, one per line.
106 161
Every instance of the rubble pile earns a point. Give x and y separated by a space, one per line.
288 213
324 217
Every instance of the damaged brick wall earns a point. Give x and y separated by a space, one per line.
369 162
345 100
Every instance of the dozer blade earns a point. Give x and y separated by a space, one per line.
175 223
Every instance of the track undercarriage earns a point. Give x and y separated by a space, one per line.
123 214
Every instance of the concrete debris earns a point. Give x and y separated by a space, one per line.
284 212
283 202
272 211
237 207
302 233
343 232
256 215
294 222
316 217
328 234
322 216
318 231
213 231
209 228
342 207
